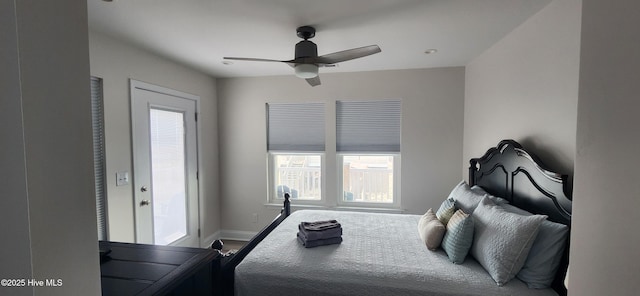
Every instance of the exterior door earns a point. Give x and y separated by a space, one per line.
165 165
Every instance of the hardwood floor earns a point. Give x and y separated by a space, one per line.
232 245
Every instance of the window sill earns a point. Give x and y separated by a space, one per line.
338 208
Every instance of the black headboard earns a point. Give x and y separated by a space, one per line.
511 172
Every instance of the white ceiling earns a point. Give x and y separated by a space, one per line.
199 33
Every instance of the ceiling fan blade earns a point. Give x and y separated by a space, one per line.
315 81
348 54
252 59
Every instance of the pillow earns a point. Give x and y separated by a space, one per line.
502 239
544 258
468 199
459 236
431 230
493 198
446 210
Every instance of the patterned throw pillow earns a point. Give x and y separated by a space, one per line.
431 230
502 239
459 236
446 210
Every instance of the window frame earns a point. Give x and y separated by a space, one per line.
396 204
272 196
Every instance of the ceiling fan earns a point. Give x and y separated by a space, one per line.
307 61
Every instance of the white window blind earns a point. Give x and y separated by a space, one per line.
295 127
368 126
97 115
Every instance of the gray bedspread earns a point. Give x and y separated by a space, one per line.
381 254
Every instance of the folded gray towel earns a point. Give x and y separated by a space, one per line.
320 225
323 234
318 242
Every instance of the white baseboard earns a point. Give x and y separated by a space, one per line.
207 241
237 235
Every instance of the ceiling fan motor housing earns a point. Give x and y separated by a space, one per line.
306 49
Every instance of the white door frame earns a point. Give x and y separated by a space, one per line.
136 85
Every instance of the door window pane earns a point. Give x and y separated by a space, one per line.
168 171
367 178
299 175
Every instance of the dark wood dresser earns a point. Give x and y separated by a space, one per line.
136 269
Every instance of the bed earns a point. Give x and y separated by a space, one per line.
382 254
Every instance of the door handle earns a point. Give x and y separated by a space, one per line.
144 202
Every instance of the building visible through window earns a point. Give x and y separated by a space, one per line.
298 174
368 178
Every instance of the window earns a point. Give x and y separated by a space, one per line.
368 147
295 143
97 116
366 172
299 175
368 178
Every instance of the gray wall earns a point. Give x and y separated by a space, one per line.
535 73
605 238
116 62
432 107
525 87
47 213
15 253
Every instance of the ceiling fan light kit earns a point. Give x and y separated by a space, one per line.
306 71
307 61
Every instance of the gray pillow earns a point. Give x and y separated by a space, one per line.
446 210
459 236
431 230
502 239
545 255
468 199
494 199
